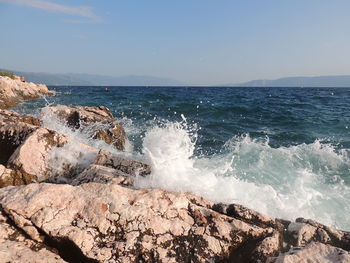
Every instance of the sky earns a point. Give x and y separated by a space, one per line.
194 41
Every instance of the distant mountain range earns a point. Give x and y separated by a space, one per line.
321 81
72 79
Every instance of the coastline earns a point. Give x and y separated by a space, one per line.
13 91
98 214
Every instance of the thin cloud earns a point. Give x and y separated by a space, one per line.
81 11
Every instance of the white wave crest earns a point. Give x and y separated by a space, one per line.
306 180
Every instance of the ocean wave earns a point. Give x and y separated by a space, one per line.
305 180
268 159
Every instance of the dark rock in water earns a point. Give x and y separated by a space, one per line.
102 174
79 115
130 167
106 168
97 121
114 136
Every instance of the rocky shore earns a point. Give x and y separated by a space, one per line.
12 91
53 209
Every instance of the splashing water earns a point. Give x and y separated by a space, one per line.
285 155
286 182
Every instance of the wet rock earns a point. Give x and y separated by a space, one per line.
109 168
130 167
313 253
114 136
10 177
102 174
33 155
14 129
97 121
12 91
112 223
78 115
304 231
7 116
301 233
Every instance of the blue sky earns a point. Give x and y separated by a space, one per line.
194 41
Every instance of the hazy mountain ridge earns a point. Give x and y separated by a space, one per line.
75 79
319 81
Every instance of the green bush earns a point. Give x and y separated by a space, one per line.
7 74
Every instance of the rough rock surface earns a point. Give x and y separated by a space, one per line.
32 156
75 115
104 219
304 231
7 116
96 121
13 91
103 174
112 223
109 168
16 247
10 177
133 168
313 253
14 129
30 153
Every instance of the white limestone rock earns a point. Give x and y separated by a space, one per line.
112 223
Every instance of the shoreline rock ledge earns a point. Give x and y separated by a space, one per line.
13 91
91 212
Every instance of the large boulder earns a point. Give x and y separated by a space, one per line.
97 121
112 223
46 154
14 129
33 155
13 91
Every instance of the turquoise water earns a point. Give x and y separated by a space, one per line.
281 151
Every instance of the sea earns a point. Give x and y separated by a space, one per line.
284 152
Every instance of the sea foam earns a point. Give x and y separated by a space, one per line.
304 180
286 182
